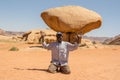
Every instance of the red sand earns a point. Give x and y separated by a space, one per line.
31 63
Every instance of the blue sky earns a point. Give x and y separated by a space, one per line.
24 15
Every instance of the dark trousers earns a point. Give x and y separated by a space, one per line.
55 68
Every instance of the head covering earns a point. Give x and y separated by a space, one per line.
59 33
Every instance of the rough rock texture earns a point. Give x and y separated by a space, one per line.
50 35
70 37
87 43
33 36
113 41
71 19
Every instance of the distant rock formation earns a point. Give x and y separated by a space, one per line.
100 39
113 41
33 36
10 33
87 43
2 32
50 35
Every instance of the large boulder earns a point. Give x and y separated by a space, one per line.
71 19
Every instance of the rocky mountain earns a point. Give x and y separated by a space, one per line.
92 38
10 33
105 40
13 33
113 41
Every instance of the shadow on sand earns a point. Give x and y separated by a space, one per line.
35 46
32 69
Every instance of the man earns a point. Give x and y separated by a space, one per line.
60 52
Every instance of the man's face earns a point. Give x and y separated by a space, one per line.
59 38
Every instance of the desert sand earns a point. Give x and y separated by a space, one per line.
31 63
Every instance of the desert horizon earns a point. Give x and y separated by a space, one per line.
26 24
25 61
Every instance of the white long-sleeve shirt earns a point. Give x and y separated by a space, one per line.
60 51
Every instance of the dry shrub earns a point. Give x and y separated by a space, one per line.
14 49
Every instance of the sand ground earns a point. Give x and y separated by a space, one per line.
31 63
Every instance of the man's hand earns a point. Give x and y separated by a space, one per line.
78 38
